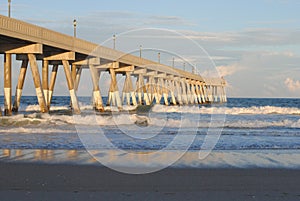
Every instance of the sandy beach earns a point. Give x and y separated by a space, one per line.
32 181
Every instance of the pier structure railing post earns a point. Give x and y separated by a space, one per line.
70 83
26 53
179 91
198 93
128 91
114 98
97 98
203 92
37 83
150 87
216 93
7 84
20 85
193 89
184 93
141 88
52 84
171 87
63 58
165 90
188 92
159 85
45 81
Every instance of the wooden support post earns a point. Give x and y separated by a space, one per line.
179 92
73 72
37 82
165 90
138 91
171 85
224 94
125 92
97 99
149 90
159 89
20 85
71 86
45 80
220 93
114 96
193 89
128 90
203 94
189 93
78 76
199 93
139 88
7 85
210 96
184 94
216 93
52 84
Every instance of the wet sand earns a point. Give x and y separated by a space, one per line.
32 181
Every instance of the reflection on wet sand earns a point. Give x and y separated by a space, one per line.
223 158
43 155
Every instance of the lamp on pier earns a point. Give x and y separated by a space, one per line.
9 3
114 40
140 51
158 55
75 24
173 62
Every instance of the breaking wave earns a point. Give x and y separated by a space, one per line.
263 110
23 120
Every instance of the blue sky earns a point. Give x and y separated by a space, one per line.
255 44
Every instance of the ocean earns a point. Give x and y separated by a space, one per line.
244 132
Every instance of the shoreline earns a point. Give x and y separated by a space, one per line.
30 181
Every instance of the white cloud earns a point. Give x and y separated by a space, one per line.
228 70
292 85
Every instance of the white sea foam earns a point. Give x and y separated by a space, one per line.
189 109
227 110
131 119
36 108
24 130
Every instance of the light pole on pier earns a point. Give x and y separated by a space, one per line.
173 62
114 40
75 25
9 2
140 51
184 66
158 55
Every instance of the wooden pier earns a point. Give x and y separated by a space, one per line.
155 82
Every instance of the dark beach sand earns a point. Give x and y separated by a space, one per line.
24 181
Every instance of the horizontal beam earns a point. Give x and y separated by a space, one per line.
28 49
89 61
125 69
25 57
164 75
152 73
139 71
68 56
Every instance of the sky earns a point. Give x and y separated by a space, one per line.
254 44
